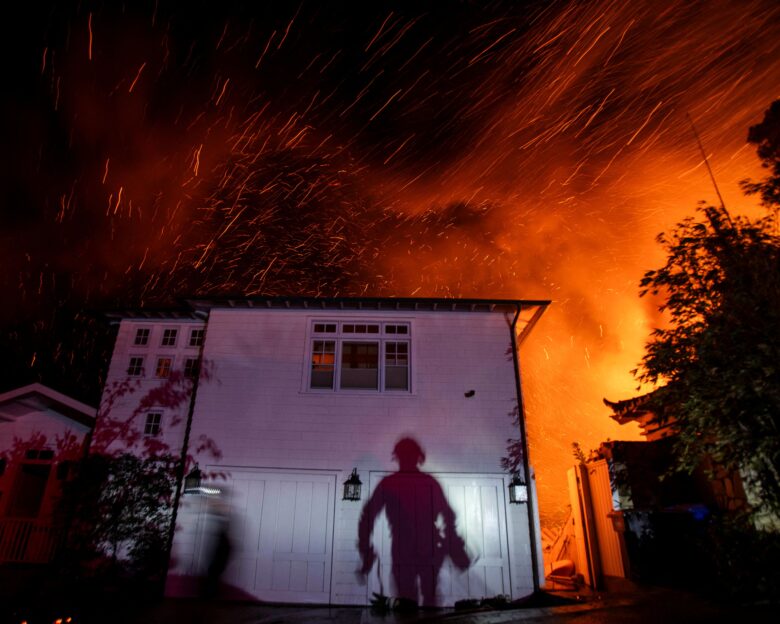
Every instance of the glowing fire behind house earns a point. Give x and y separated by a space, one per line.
526 150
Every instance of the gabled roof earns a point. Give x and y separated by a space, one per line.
35 397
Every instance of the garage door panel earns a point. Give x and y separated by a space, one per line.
281 575
283 525
477 503
301 520
494 581
491 532
283 532
318 536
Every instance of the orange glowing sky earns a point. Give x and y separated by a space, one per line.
506 149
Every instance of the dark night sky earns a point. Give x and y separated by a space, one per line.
501 149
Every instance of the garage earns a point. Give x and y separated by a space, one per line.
282 534
419 554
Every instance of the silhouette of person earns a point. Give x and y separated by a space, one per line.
422 526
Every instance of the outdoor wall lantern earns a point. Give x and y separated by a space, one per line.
518 490
192 480
352 487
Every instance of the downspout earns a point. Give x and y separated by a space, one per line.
183 458
524 443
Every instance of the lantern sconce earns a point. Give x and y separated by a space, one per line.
193 480
352 487
518 490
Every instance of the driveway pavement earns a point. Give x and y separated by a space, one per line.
634 605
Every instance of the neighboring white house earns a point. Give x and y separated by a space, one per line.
42 435
417 396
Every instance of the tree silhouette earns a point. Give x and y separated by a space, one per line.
718 359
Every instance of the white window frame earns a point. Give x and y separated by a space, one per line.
200 339
142 371
146 336
157 366
340 337
163 337
149 421
195 372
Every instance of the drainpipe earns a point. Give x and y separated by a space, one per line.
524 443
183 457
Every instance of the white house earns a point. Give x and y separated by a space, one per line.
42 434
414 398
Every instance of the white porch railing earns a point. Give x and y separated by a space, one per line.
24 540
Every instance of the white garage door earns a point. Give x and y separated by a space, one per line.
282 535
425 553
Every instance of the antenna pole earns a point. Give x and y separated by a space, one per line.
709 169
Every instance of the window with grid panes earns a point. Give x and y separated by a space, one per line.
136 366
169 337
164 365
152 424
358 355
196 337
141 337
191 368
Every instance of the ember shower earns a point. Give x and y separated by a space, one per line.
460 149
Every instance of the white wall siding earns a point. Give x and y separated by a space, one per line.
255 407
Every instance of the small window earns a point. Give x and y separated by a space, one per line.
191 368
152 425
196 337
360 365
324 328
169 337
323 361
136 367
141 337
164 365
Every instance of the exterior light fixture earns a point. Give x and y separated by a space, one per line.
352 487
518 490
192 480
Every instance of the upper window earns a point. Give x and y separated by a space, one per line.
360 356
141 337
196 337
136 366
169 337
